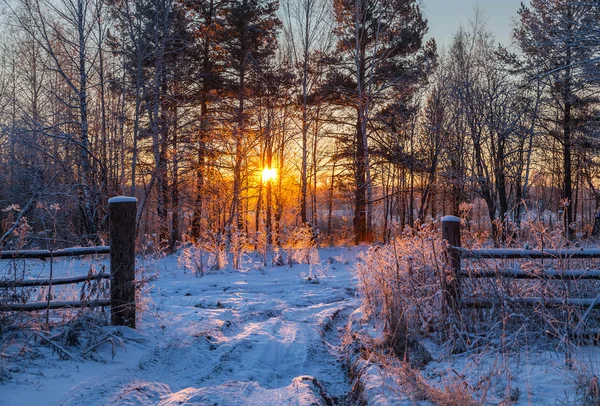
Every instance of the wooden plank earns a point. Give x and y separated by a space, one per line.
517 273
533 301
451 234
42 254
68 304
55 281
121 213
501 253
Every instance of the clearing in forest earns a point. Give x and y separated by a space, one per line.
258 336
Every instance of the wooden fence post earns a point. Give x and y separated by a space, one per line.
122 212
451 233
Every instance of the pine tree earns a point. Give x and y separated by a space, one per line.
380 52
248 39
159 55
557 38
207 31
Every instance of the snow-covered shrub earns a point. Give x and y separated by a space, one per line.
146 272
454 391
191 259
12 271
262 246
265 248
21 233
238 246
154 250
400 286
202 258
587 389
30 346
214 245
584 373
300 246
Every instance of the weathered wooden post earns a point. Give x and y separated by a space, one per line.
122 212
451 233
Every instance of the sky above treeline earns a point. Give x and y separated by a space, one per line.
445 16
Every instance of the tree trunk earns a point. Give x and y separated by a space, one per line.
89 194
567 122
330 208
204 128
175 222
360 203
567 191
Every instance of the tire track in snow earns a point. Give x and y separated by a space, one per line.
267 337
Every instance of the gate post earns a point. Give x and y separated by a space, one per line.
451 233
122 211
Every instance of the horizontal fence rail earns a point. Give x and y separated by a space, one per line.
43 254
535 301
122 299
518 273
68 280
55 304
499 253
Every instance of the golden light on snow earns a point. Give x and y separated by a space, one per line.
269 174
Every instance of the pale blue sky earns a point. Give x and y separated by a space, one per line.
445 16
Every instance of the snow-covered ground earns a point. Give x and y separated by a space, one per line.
533 375
254 337
265 336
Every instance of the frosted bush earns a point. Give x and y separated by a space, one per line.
399 282
192 259
402 288
20 236
301 247
262 246
238 246
205 255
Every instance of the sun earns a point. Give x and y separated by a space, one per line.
269 174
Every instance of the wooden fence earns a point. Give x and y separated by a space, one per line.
122 300
455 254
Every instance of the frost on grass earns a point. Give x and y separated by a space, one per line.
400 289
490 353
38 340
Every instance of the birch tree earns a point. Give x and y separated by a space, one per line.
307 35
62 30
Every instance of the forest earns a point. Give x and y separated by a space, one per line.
294 202
243 120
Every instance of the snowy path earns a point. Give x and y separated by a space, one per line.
260 337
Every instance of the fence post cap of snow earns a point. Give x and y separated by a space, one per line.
122 199
450 219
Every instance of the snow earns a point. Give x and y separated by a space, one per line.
266 336
450 219
253 337
122 199
534 375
